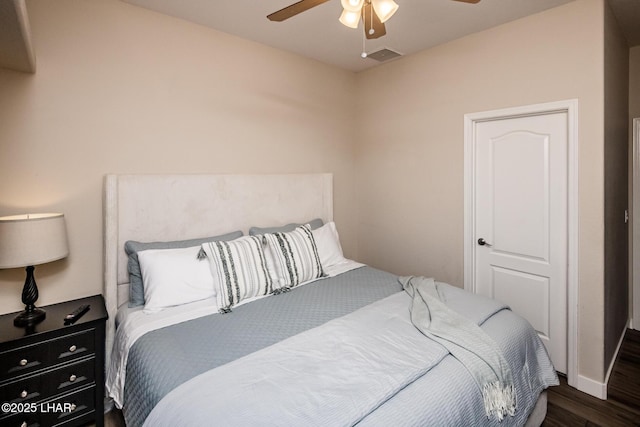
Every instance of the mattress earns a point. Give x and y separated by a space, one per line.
170 358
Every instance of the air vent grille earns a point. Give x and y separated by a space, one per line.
383 55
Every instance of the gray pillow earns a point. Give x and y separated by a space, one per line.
314 223
136 288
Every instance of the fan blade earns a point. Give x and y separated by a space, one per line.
371 21
469 1
294 9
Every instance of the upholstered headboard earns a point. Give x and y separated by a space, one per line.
151 208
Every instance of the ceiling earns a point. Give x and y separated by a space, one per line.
627 13
316 33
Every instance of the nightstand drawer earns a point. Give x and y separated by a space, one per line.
72 346
42 386
28 359
71 409
28 390
23 420
22 360
71 377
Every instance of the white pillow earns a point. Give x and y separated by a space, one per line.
239 269
174 277
328 244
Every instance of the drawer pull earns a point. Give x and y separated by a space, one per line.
73 348
72 378
23 394
24 362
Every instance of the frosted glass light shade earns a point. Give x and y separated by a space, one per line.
350 19
352 5
32 239
384 9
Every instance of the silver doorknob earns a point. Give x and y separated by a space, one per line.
483 242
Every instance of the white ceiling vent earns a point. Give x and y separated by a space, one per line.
383 55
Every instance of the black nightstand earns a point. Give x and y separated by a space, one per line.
53 375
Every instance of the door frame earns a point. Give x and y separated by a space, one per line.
570 107
635 228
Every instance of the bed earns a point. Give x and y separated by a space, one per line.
332 344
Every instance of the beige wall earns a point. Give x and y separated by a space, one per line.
410 150
120 89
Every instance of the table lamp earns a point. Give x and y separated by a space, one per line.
28 240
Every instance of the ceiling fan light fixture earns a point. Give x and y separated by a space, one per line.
384 9
350 19
352 5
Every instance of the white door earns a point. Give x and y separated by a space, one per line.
521 224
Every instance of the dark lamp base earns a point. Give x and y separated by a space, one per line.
31 314
28 318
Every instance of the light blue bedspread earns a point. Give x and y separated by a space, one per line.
163 359
370 367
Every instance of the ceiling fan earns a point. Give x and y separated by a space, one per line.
374 13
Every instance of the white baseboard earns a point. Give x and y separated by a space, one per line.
596 388
592 387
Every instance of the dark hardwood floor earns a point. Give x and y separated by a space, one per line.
569 407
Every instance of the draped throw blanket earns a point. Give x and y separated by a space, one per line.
466 341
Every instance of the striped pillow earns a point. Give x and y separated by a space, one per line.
239 270
294 256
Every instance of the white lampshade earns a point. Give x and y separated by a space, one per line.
350 19
32 239
352 5
384 8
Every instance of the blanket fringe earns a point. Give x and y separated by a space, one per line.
499 399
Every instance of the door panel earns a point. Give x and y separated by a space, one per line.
521 229
528 295
521 212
